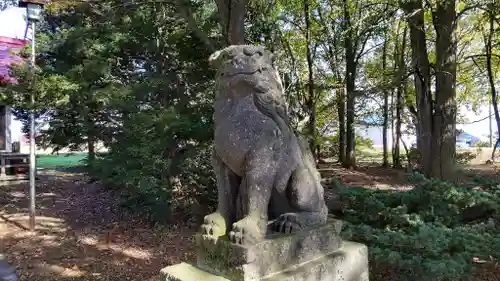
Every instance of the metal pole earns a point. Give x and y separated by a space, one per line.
32 134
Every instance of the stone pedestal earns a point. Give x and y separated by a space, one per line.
316 254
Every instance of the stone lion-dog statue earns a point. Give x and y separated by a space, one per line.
265 172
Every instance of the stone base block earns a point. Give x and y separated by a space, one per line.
349 263
275 254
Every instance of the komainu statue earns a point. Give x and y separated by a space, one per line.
266 177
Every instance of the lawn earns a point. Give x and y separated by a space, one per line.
61 160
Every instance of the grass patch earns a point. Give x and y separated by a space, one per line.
61 160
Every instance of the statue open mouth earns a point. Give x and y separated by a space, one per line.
232 74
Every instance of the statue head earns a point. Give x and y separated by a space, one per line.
245 66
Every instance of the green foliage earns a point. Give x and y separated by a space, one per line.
136 79
156 174
134 76
330 148
424 231
465 157
481 144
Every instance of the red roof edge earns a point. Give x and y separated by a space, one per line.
13 41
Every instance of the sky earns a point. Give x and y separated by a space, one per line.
479 129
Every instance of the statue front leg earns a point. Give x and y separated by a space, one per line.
255 193
216 224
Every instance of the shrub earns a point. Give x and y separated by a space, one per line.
481 144
160 162
414 157
465 157
330 148
422 232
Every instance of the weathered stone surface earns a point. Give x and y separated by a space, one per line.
264 170
186 272
271 222
274 254
348 263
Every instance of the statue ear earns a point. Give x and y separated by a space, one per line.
214 59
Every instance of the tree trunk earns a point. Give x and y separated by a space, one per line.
490 124
91 149
350 74
232 20
332 48
341 131
311 99
396 159
385 127
491 79
443 145
393 125
421 75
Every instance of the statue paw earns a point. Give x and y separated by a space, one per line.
288 223
246 232
214 225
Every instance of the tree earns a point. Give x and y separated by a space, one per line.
488 46
333 54
385 114
78 116
400 94
6 3
436 115
487 24
232 20
311 98
356 38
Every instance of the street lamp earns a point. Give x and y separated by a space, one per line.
33 12
33 9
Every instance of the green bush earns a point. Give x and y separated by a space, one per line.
481 144
160 162
422 232
465 157
414 157
330 145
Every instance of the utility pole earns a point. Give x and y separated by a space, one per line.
33 14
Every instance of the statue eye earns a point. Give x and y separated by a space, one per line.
259 52
248 52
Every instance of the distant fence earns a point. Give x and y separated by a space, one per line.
14 166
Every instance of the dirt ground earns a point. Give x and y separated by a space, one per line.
83 234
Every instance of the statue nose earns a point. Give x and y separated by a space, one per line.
237 62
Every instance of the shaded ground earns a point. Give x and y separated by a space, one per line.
83 234
372 175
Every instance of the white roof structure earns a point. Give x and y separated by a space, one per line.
13 24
